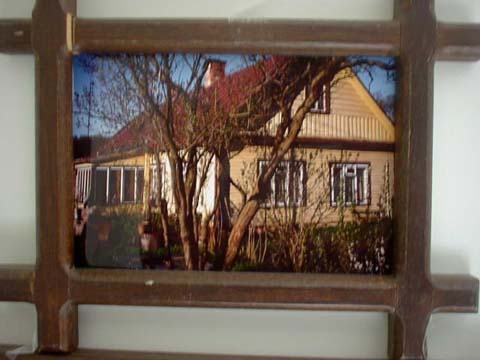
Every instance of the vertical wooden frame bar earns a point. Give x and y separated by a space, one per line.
413 157
408 324
52 42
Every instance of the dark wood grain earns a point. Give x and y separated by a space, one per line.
294 291
129 355
16 283
458 42
15 36
413 180
454 294
57 315
292 37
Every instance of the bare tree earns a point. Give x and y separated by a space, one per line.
312 74
196 127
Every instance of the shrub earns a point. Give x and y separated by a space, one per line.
358 246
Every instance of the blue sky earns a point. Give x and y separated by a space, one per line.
377 83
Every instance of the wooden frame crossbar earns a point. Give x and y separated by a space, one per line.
453 41
410 296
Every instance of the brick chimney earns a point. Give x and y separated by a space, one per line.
215 72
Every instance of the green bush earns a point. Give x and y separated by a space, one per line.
123 250
359 246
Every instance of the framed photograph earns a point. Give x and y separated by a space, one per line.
262 163
276 164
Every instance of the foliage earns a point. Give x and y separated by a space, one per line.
297 239
363 247
121 249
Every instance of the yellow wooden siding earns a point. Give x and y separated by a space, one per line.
354 116
345 100
130 161
244 170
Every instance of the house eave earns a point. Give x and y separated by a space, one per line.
323 143
99 159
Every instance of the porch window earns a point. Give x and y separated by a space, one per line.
287 187
82 183
128 185
140 184
101 176
115 185
349 184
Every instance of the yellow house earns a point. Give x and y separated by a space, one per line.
342 159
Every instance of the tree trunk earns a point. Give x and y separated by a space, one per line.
282 145
158 175
185 216
203 242
239 230
190 246
222 216
166 237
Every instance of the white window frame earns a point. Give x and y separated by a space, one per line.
122 169
83 183
89 184
343 174
323 109
300 201
281 204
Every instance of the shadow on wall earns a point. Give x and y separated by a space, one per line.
450 263
464 328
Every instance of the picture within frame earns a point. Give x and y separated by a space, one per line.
57 306
234 162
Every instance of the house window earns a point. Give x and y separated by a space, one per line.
82 183
322 105
140 184
128 185
349 184
287 187
101 177
114 185
298 182
280 184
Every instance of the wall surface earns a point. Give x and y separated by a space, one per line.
456 195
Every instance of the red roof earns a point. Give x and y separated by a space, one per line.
136 134
219 105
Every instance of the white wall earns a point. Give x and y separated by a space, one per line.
456 194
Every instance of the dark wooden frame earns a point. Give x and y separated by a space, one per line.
410 296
